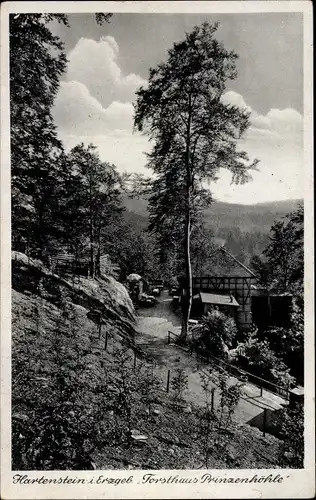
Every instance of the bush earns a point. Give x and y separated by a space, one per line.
217 332
288 343
216 421
258 358
179 384
291 450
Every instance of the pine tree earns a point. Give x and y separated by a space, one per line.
37 61
92 200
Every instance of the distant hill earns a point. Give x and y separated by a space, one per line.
243 229
248 218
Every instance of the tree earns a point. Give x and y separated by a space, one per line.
195 134
37 61
93 199
281 265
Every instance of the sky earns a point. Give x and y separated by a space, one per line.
107 64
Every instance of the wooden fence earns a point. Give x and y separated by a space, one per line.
234 370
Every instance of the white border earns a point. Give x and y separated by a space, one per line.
296 483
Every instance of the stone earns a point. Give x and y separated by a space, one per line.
188 409
140 438
137 437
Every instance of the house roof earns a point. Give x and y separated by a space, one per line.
221 300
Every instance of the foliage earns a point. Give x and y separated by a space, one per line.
63 411
281 265
68 407
101 18
132 248
92 201
217 332
258 358
288 343
37 60
179 384
281 268
195 134
217 420
39 173
291 421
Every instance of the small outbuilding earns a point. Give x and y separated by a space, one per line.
229 277
204 301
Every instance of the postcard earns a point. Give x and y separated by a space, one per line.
157 318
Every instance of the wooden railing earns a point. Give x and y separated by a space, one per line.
234 370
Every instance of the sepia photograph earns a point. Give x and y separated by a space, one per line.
156 234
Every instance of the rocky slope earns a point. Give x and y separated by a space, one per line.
82 400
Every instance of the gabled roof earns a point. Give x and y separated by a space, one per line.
215 299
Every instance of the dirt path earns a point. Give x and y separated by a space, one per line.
153 326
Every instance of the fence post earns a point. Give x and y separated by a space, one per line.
168 337
168 380
212 398
135 360
100 326
106 339
264 421
261 390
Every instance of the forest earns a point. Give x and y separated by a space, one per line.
160 227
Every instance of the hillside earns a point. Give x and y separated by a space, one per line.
244 229
78 405
248 218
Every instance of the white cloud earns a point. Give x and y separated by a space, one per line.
285 122
276 139
235 99
78 112
278 121
95 64
94 104
81 118
124 149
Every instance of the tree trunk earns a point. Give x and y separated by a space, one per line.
91 264
98 254
91 235
187 299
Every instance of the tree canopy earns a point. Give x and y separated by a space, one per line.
37 62
194 133
281 265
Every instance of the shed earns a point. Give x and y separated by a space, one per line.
203 302
230 277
